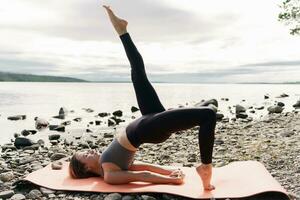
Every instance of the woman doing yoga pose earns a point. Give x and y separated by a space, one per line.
155 125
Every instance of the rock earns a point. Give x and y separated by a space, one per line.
46 191
88 130
220 116
78 119
224 99
297 104
57 156
97 122
113 196
287 133
91 123
54 142
34 194
104 114
266 96
58 128
18 197
147 197
17 117
128 197
54 137
89 110
26 160
65 123
40 123
241 115
259 108
282 95
63 111
7 176
239 109
116 120
8 146
280 104
134 109
252 111
6 194
118 113
41 142
275 109
218 142
56 165
16 135
22 142
111 122
25 132
108 135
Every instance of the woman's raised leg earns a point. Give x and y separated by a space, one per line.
147 98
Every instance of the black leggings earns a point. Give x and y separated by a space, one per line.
157 124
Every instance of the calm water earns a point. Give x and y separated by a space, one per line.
45 99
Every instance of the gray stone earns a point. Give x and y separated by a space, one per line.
128 197
104 114
275 109
147 197
118 113
297 104
54 142
241 115
22 142
54 136
56 165
17 117
239 109
58 128
282 95
34 194
113 196
18 197
57 156
287 133
40 123
77 119
7 176
46 191
259 108
6 194
280 104
134 109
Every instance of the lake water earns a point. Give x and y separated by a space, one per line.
45 99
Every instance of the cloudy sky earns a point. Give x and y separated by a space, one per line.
180 41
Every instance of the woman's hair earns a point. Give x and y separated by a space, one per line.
78 169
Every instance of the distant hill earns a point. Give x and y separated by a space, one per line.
14 77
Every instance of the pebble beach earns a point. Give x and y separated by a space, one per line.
273 140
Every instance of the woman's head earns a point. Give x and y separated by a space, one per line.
84 164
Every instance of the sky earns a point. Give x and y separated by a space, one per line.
214 41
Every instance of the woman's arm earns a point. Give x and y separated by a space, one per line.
151 168
123 177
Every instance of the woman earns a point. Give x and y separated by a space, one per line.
155 125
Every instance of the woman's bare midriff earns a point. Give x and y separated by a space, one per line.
123 140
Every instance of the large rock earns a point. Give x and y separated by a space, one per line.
17 117
58 128
40 123
22 142
7 176
239 109
54 137
134 109
6 194
118 113
275 109
297 104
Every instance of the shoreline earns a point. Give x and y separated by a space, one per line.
274 140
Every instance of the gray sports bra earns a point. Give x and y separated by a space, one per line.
117 154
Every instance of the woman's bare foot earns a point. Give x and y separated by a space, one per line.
205 171
118 23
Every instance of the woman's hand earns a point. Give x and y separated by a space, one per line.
176 173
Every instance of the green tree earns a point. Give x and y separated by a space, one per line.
290 15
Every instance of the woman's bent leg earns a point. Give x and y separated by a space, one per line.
157 128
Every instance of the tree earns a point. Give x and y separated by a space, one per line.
290 15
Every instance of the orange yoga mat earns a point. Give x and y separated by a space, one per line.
235 180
